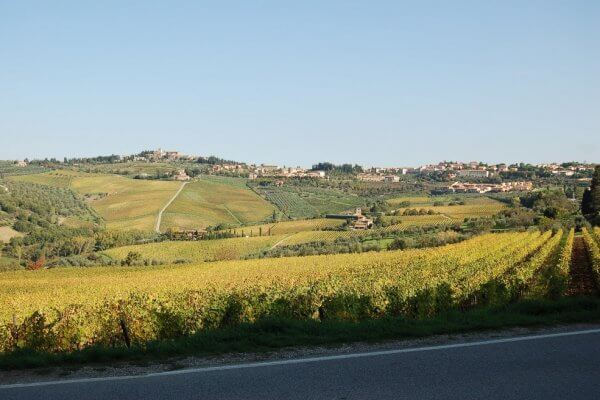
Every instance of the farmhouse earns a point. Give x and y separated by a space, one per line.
21 163
186 234
391 178
359 221
181 176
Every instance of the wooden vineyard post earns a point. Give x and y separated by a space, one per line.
14 331
125 333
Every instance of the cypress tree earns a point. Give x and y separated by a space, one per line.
590 204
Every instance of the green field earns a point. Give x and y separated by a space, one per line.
287 227
210 201
8 263
402 224
61 178
475 206
8 168
308 202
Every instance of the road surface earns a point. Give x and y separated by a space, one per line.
552 366
160 213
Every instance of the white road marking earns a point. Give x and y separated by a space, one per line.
307 360
159 219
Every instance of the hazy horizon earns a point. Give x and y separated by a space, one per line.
374 84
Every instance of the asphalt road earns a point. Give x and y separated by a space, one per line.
542 367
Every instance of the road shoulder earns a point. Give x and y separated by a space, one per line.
136 369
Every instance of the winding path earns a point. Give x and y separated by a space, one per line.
282 240
159 219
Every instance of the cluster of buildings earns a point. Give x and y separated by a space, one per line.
161 155
461 187
181 175
370 177
384 174
570 170
274 171
473 169
271 171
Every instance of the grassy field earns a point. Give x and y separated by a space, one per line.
62 178
7 233
210 201
8 168
413 200
203 250
7 263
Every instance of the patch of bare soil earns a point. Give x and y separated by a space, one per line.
582 279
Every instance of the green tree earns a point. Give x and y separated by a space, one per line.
590 204
133 258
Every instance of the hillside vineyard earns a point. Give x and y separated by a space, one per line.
69 309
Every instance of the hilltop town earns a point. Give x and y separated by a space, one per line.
461 177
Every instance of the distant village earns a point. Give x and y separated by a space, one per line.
468 177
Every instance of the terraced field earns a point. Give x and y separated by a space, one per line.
200 251
122 202
126 203
212 201
62 178
308 202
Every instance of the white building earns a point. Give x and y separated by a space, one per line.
473 173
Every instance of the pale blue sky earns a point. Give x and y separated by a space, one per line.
376 83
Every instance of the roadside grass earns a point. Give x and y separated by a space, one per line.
210 201
273 334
